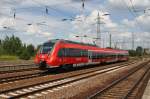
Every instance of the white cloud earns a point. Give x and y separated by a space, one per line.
118 4
33 29
140 21
4 21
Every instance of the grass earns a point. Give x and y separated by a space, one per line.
12 58
8 58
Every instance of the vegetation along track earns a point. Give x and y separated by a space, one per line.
38 87
124 87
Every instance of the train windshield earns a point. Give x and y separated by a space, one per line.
46 48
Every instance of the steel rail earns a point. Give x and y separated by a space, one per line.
20 77
117 81
136 84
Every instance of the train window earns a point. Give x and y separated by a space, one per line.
67 52
84 53
99 55
93 55
46 47
61 52
103 55
72 52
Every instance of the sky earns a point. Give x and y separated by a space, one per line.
127 20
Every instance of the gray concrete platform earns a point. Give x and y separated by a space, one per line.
146 94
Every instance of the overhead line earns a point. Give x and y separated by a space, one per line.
133 14
51 8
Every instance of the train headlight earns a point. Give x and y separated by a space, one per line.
42 57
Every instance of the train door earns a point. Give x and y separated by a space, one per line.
62 53
89 56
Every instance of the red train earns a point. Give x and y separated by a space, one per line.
64 53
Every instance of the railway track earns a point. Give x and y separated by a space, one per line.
10 77
17 68
26 91
123 88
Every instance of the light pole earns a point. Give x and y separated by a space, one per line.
132 40
98 19
110 40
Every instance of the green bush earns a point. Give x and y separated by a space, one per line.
25 55
132 52
30 49
139 51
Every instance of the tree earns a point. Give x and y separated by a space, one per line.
1 48
12 45
22 48
0 42
38 47
6 45
132 52
30 49
25 55
139 51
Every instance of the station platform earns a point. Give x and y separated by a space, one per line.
146 94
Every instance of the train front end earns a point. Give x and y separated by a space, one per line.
43 54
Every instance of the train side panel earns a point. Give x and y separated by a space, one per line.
58 55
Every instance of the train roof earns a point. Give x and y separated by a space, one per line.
68 41
87 44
